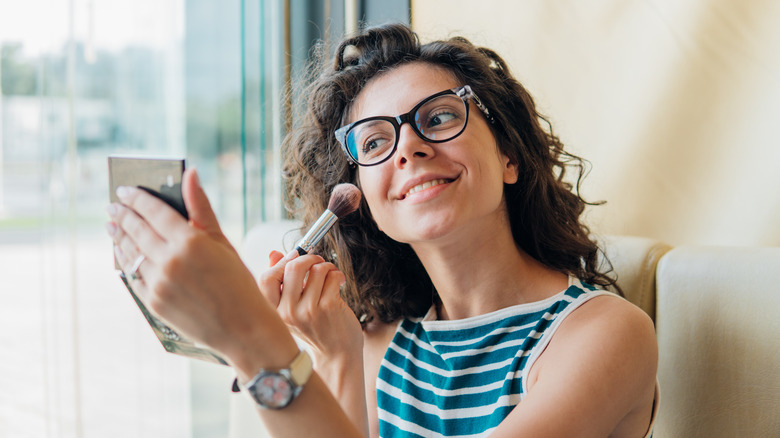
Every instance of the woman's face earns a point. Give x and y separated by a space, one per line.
431 191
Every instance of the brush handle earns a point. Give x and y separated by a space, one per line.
316 232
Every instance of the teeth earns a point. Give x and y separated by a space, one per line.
425 185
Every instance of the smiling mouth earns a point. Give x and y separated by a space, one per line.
426 185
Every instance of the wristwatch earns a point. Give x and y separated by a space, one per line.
277 389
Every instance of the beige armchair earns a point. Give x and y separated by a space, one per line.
717 316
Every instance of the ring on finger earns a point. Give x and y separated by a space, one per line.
134 274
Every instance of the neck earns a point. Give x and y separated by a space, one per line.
483 270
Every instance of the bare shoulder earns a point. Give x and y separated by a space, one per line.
600 368
612 329
614 313
615 321
623 359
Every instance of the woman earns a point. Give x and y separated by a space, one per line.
466 265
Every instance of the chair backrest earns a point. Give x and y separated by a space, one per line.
718 327
265 237
634 260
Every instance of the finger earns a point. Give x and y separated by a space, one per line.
132 229
128 254
274 257
121 258
313 289
270 280
197 203
132 257
295 272
163 218
127 261
332 288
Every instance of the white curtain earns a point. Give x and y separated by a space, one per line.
675 103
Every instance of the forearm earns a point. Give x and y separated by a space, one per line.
314 413
315 408
345 380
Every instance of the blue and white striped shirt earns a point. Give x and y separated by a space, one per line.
461 378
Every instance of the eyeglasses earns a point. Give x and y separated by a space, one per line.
437 118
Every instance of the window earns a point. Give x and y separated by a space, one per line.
83 79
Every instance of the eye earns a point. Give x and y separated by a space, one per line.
372 138
441 118
442 114
373 143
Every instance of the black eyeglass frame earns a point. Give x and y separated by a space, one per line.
464 92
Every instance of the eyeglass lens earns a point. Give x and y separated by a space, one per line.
439 119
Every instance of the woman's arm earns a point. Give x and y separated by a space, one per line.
195 281
596 378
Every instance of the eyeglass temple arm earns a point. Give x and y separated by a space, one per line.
467 92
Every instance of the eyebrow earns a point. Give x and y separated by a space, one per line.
353 108
371 123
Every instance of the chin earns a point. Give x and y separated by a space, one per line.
421 234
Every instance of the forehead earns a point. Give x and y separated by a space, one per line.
398 90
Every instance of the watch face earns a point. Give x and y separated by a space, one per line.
273 390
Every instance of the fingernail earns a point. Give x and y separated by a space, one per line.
112 210
292 254
111 228
117 252
122 192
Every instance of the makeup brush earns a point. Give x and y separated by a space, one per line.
344 199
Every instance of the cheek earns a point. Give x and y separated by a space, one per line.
365 185
369 184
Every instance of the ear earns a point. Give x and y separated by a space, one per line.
510 170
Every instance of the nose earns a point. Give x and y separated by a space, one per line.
410 146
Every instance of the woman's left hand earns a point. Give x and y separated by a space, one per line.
313 310
191 276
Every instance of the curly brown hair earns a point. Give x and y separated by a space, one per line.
385 279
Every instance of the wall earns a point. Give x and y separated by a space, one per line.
676 104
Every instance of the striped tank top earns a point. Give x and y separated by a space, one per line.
461 378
